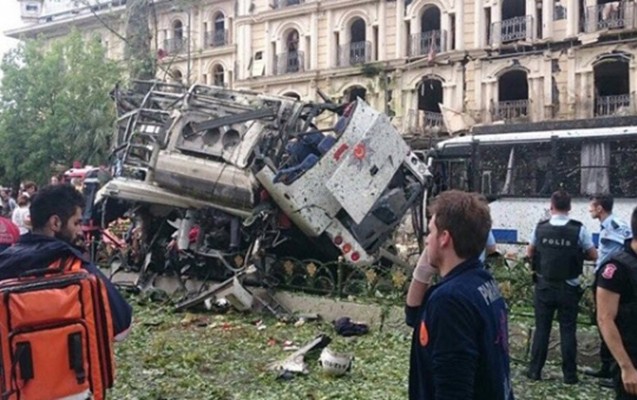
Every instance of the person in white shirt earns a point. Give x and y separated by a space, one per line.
21 216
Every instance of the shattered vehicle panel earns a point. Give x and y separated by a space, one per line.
231 168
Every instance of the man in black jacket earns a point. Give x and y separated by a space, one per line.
616 299
460 344
56 213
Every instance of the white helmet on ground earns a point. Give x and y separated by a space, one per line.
335 363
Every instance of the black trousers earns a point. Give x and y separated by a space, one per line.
548 299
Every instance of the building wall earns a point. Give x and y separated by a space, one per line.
469 57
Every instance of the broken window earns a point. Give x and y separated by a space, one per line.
623 180
218 75
594 164
353 93
429 40
358 51
515 24
178 30
513 96
428 115
218 35
559 11
612 86
607 14
177 76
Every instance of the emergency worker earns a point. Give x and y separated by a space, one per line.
557 250
460 343
613 234
616 302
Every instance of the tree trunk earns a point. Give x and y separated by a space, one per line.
140 60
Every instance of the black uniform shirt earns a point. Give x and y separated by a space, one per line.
614 277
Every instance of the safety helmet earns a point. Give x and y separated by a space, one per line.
334 363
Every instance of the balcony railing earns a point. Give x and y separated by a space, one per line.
620 104
511 110
175 45
613 15
427 42
217 38
289 62
512 29
421 121
354 53
287 3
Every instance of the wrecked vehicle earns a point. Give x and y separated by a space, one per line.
209 175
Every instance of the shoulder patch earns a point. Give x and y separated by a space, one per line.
609 271
423 334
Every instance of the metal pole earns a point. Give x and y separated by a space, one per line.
188 50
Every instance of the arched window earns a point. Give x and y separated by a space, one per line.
218 75
612 86
513 96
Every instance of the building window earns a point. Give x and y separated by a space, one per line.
218 78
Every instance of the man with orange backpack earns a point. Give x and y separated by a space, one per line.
45 263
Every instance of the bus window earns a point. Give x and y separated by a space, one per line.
594 168
450 174
623 180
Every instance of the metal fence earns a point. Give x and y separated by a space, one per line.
216 38
511 110
422 43
289 62
287 3
612 15
354 53
620 104
512 29
175 45
421 121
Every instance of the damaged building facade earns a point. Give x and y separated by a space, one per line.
509 61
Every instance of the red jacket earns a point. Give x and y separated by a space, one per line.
9 232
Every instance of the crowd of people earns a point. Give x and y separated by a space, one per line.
459 346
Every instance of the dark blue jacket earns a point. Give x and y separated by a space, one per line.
38 251
460 344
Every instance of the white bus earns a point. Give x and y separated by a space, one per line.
518 172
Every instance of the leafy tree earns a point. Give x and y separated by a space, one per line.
55 106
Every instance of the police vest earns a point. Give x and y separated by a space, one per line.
626 319
558 256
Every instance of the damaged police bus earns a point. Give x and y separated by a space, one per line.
517 171
209 175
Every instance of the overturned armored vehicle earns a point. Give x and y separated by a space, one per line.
211 173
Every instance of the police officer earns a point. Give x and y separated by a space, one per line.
616 299
612 236
557 250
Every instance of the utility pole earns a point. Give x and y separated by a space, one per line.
188 49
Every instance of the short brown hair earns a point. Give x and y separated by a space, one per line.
30 185
561 200
466 217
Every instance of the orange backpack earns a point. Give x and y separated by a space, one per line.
55 334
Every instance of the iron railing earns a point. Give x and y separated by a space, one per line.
289 62
421 121
175 45
612 15
511 110
287 3
614 105
512 29
428 42
354 53
216 38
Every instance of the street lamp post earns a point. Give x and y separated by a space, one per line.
188 50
